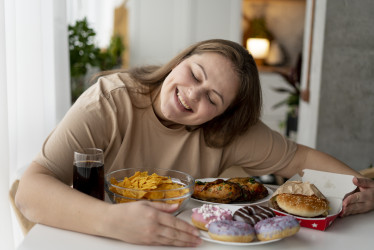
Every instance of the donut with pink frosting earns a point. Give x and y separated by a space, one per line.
202 216
231 231
276 228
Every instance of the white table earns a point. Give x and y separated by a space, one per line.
352 232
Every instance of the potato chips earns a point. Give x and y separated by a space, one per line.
150 187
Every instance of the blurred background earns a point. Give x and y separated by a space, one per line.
315 60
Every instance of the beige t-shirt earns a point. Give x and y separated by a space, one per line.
105 117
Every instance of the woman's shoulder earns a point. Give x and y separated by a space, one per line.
109 86
257 129
256 134
114 81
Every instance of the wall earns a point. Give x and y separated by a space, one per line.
308 111
343 82
274 118
160 29
284 19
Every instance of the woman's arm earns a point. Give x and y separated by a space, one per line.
42 198
308 158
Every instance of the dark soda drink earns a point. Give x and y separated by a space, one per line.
88 177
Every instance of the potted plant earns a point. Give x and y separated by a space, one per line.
85 55
111 58
293 78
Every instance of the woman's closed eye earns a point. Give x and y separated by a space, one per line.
210 99
194 77
208 95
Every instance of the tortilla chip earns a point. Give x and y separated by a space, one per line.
145 186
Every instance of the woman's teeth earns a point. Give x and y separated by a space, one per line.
182 102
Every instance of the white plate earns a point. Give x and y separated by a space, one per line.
186 216
239 203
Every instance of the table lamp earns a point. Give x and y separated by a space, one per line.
259 48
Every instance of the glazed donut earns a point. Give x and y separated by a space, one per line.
277 227
253 214
232 231
201 217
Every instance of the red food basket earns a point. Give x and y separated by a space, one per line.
333 186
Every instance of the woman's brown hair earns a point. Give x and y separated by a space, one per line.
243 112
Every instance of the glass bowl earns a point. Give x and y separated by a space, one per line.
180 194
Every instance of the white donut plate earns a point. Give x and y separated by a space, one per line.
240 203
186 216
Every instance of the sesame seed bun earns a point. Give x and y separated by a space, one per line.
302 205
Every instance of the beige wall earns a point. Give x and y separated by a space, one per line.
339 119
284 19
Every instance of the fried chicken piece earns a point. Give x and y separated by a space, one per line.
251 189
219 191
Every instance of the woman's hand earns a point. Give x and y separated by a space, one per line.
149 223
361 201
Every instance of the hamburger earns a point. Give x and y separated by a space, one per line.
300 199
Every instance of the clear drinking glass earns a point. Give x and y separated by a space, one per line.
88 174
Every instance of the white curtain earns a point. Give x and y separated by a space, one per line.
34 82
5 225
34 87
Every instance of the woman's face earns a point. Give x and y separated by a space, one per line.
198 89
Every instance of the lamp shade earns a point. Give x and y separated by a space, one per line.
258 47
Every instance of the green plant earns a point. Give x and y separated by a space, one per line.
111 57
258 29
83 51
84 54
293 79
292 101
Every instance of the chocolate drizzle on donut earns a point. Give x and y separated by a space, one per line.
253 214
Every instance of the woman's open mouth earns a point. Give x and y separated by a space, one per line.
182 102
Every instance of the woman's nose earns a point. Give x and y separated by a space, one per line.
194 93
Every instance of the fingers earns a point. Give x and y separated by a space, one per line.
355 198
363 182
174 228
170 236
178 224
353 208
168 208
164 235
358 202
351 199
166 229
165 241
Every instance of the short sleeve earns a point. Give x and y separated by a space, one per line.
89 123
261 151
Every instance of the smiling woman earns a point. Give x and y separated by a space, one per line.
226 71
119 114
171 117
199 85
